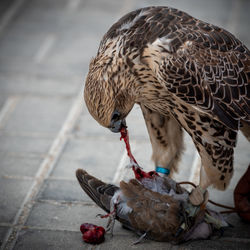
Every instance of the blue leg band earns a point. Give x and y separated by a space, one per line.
162 170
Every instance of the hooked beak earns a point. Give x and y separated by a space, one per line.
116 126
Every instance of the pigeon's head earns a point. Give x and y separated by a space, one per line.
108 95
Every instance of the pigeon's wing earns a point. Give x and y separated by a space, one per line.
205 66
152 212
100 192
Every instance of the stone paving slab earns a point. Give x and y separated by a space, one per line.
62 190
87 127
68 216
30 239
3 232
15 144
19 166
239 229
39 85
36 115
66 168
4 6
42 239
12 194
92 156
224 244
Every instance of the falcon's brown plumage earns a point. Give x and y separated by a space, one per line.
184 73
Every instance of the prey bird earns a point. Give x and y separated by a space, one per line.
153 206
185 74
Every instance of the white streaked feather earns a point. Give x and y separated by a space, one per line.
128 25
121 201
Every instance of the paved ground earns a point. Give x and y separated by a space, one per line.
46 132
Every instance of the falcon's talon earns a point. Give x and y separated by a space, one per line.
197 204
198 196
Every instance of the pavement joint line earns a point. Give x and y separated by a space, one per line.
49 229
89 203
27 134
17 177
110 138
34 76
7 109
9 15
45 47
43 172
23 155
44 96
26 227
58 178
5 224
47 75
245 240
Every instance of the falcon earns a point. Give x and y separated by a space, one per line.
185 74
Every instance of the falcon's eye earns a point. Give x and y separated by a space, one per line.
115 116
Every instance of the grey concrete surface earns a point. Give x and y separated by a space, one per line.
46 132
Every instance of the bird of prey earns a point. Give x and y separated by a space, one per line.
152 206
185 74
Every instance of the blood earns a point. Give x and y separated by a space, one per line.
111 213
92 234
125 137
138 172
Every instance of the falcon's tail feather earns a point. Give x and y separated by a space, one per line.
100 192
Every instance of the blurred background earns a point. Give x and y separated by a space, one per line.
46 132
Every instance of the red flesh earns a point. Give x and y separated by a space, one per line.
125 137
92 234
138 172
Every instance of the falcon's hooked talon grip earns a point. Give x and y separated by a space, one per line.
198 196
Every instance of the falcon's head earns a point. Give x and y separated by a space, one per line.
108 98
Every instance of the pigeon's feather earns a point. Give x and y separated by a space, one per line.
103 194
100 192
152 212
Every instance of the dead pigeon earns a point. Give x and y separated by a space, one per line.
154 207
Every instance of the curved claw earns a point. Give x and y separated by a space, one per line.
198 196
197 201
